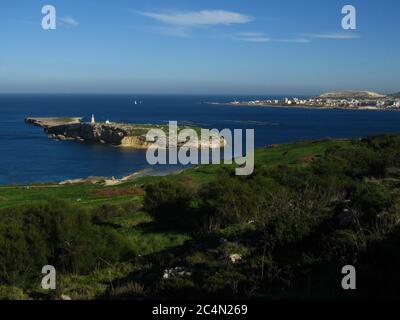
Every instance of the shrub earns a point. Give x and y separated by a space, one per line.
170 203
371 199
12 293
106 212
55 234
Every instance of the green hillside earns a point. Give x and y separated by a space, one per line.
283 233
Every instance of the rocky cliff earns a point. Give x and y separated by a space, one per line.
88 132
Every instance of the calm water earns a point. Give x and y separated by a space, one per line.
27 155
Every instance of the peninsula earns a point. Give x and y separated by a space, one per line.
353 100
112 133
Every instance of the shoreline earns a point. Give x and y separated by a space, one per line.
146 172
105 181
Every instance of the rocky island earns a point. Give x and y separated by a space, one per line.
116 134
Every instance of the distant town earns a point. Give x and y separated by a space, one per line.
359 100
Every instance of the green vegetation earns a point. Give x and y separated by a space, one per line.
285 232
66 120
91 195
143 129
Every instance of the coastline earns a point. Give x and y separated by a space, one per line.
105 181
298 106
148 172
56 175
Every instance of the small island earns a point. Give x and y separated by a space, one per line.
117 134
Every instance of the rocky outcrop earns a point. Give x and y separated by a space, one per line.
88 132
51 122
123 135
138 142
235 257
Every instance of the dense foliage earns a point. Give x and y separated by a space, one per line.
294 227
284 232
55 234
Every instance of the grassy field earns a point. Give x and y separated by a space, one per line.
91 195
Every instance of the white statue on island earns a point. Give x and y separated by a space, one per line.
93 121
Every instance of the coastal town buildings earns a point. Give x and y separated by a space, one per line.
388 102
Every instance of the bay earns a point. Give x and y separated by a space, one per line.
27 155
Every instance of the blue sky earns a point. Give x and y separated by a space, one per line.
192 46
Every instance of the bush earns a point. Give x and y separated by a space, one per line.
372 199
12 293
106 212
231 200
52 234
170 203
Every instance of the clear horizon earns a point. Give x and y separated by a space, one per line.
176 94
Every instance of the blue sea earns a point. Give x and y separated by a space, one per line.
27 155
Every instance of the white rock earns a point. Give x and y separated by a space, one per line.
235 257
